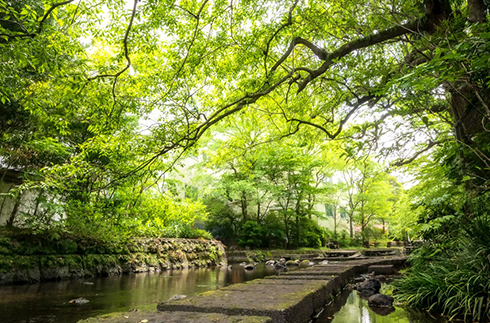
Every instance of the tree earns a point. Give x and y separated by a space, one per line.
264 180
369 194
313 64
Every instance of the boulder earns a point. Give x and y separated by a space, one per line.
270 263
369 287
380 300
292 263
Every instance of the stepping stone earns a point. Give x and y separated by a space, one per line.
174 317
381 269
284 303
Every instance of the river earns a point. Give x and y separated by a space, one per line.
48 302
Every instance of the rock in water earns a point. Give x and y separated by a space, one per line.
380 300
79 300
369 287
292 263
270 263
176 297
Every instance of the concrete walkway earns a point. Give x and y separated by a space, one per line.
292 297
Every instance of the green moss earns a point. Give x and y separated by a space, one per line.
152 260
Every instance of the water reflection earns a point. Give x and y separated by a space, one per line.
349 307
48 302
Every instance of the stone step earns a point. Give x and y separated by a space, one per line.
381 269
380 252
175 317
291 297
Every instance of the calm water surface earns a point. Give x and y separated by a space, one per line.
48 302
349 307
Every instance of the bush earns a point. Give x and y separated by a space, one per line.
253 235
450 273
312 235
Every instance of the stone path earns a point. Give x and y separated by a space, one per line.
292 297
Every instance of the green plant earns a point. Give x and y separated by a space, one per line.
252 235
450 274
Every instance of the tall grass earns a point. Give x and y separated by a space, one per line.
451 275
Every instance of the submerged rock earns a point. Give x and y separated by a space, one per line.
380 300
369 287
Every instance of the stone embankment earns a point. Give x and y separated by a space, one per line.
334 254
292 297
34 258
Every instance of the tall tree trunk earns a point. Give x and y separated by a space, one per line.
258 212
351 216
244 205
477 11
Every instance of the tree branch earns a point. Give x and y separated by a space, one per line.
406 161
360 43
330 135
50 10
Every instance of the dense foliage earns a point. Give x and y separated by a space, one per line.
450 273
100 101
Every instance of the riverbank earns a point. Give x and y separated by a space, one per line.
292 297
32 258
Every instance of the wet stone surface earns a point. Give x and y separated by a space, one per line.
175 317
285 301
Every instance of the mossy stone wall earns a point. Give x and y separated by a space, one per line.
32 258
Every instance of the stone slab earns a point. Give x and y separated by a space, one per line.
341 253
381 269
299 256
174 317
300 277
285 303
291 297
300 280
379 252
346 259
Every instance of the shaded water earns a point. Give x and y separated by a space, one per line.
349 307
48 302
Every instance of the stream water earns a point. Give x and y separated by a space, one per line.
49 302
349 307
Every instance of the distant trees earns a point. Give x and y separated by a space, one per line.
262 191
269 185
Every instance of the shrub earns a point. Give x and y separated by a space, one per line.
252 235
450 273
